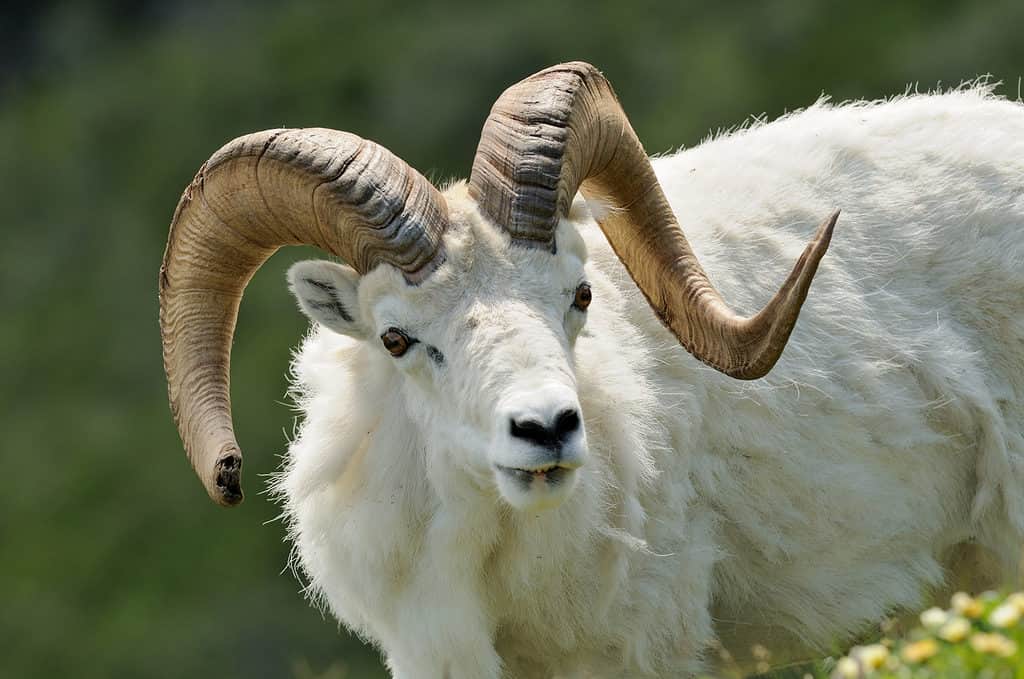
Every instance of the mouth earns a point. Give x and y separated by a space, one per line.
551 474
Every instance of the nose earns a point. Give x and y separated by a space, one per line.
552 434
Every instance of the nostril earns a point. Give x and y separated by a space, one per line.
531 430
567 422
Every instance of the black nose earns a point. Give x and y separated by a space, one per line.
551 435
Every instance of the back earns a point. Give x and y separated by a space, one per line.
908 352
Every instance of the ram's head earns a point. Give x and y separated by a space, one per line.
482 332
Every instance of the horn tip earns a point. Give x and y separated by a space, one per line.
829 225
227 477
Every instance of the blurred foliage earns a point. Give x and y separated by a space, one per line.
976 637
114 563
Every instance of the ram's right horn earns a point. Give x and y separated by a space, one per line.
346 195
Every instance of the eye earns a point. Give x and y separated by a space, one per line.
396 342
583 297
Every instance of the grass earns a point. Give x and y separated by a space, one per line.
976 637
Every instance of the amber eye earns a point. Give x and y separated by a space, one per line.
583 297
396 342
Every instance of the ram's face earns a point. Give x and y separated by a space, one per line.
480 323
485 350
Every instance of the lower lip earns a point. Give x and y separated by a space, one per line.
550 476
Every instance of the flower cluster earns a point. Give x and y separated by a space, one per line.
975 636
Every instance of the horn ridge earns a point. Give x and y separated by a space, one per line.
346 195
563 130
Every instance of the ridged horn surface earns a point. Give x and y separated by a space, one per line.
562 130
343 194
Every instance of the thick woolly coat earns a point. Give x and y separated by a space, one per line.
795 510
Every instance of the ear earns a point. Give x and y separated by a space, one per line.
328 294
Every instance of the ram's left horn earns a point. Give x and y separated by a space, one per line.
563 130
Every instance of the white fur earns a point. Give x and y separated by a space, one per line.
794 511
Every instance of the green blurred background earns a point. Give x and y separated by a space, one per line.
112 561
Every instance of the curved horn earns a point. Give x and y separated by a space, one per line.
563 130
346 195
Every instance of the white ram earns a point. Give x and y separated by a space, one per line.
498 478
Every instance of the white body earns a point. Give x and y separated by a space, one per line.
794 511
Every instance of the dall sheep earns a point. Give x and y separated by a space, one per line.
509 468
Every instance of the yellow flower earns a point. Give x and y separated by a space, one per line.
872 657
1005 615
934 618
964 604
995 644
955 630
919 651
1017 601
847 668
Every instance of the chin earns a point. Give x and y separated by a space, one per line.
535 490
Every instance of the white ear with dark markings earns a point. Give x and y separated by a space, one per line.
327 293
